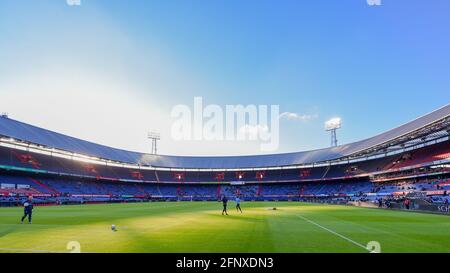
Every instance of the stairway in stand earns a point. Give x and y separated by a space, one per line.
49 189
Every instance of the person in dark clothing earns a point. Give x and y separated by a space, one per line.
224 202
388 204
27 209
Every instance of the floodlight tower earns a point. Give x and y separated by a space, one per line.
154 137
331 126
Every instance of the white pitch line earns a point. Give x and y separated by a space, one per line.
333 232
39 225
31 250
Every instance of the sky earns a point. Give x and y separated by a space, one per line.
109 71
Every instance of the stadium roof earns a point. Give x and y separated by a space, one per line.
23 132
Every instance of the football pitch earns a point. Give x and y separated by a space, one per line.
199 227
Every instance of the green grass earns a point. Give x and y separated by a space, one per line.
199 227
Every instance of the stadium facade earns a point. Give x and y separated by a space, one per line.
414 157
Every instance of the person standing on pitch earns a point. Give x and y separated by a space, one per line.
238 204
27 209
224 202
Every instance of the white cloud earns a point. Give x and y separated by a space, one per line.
298 117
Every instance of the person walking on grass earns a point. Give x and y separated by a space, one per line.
27 209
224 202
238 204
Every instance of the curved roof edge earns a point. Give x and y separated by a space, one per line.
28 133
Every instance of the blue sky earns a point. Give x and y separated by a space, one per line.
109 71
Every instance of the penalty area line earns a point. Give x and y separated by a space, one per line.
333 232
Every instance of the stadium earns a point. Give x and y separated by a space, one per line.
389 190
237 101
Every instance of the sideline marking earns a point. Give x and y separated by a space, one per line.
31 250
333 232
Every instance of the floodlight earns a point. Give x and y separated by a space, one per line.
154 137
332 124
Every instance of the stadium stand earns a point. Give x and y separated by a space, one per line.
59 169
